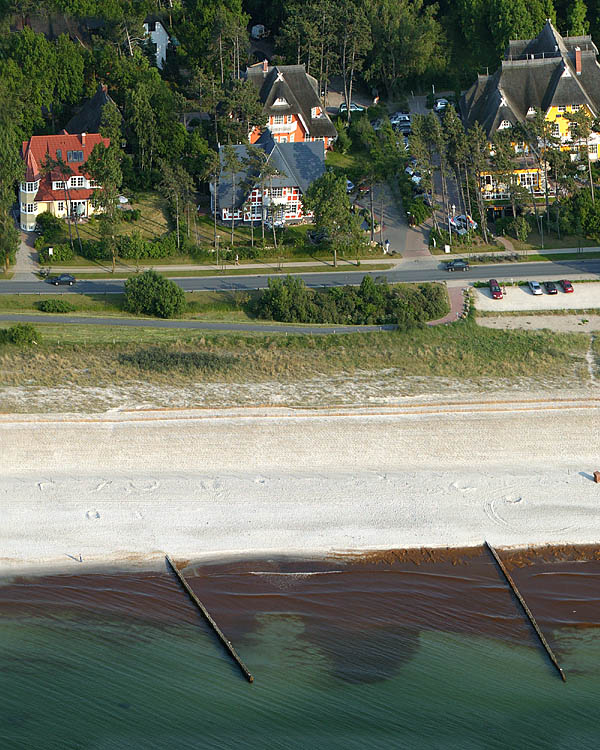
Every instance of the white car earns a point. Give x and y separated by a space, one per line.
399 117
353 107
440 105
409 171
535 287
416 178
349 186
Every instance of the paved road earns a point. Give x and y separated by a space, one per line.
415 271
190 324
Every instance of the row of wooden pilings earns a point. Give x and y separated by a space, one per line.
246 672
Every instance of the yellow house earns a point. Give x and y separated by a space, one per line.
553 74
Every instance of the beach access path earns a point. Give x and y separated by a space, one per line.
125 487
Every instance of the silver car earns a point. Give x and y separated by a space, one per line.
535 287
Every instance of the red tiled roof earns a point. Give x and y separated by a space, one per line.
45 193
32 171
41 145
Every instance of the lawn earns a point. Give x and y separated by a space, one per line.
152 224
100 356
551 242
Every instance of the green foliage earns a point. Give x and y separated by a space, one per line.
149 293
163 360
130 216
520 228
56 305
21 334
579 214
289 300
62 252
51 227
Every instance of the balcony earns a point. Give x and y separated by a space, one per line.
286 127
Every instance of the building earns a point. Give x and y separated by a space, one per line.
89 116
42 191
160 38
298 166
553 74
291 102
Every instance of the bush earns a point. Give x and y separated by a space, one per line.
51 227
21 334
159 359
55 306
150 293
60 253
290 301
130 216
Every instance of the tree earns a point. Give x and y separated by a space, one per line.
142 120
577 23
177 186
233 166
353 44
581 127
328 200
517 19
104 168
478 156
212 173
110 123
9 238
149 293
257 165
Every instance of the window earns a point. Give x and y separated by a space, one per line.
592 149
74 156
283 139
276 192
77 182
59 153
278 119
30 187
316 112
528 179
60 206
58 186
562 109
555 129
292 208
289 119
575 107
504 124
28 208
531 112
280 102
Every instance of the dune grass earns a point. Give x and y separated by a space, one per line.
100 356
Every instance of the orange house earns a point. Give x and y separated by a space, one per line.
291 102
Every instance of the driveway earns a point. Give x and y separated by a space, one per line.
27 258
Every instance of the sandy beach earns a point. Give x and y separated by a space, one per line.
124 488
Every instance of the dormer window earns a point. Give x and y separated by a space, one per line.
575 107
531 112
74 156
505 124
280 102
30 187
316 112
562 109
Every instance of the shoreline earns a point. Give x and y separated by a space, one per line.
124 489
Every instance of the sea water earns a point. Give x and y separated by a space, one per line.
364 658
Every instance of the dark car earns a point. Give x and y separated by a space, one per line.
457 265
64 278
550 287
566 286
495 290
317 236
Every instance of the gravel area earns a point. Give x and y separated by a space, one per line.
581 323
585 297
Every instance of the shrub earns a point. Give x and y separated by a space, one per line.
159 359
150 293
130 216
51 227
56 306
22 334
60 253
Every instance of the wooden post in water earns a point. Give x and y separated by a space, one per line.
527 611
207 616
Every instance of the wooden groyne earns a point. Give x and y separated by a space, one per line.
527 611
207 616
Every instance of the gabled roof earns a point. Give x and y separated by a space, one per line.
538 73
292 83
88 119
41 146
299 165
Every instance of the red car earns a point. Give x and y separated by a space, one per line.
566 286
495 290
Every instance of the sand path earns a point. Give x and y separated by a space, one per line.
126 487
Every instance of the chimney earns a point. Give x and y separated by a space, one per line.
265 66
578 60
83 139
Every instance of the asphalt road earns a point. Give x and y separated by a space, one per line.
190 324
564 269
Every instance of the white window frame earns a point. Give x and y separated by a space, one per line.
575 107
280 102
60 206
278 119
504 125
561 109
276 192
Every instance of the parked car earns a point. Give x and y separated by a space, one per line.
376 124
456 227
399 116
566 286
406 143
317 236
495 290
466 221
425 197
409 170
349 186
353 107
535 287
64 278
458 265
279 223
550 287
440 105
416 178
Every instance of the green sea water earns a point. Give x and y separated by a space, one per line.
85 682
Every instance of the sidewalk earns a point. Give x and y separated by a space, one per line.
26 265
534 251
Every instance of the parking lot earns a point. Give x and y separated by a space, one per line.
586 296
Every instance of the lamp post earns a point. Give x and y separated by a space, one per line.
218 237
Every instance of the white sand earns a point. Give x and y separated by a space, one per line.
126 488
